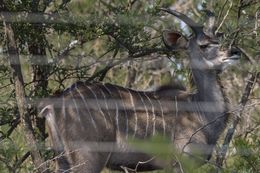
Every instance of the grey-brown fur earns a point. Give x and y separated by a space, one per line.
90 123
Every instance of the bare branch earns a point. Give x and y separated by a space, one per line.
72 45
20 162
224 18
115 63
221 11
249 57
249 87
101 73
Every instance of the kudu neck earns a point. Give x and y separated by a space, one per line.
211 103
208 85
209 95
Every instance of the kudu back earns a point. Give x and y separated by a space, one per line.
89 124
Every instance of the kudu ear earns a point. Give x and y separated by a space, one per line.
174 40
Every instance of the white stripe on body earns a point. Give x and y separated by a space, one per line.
63 108
76 106
117 109
154 117
147 114
124 107
135 114
99 107
164 123
107 108
85 103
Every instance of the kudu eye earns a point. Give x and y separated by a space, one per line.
204 46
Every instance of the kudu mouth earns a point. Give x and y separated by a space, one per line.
233 58
234 54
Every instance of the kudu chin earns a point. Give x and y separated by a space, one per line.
90 124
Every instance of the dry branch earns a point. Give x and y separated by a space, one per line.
230 133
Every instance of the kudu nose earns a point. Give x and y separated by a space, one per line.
235 51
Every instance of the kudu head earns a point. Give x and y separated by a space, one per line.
203 46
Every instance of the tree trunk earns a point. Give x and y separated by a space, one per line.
21 101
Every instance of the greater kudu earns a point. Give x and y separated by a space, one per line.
89 123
